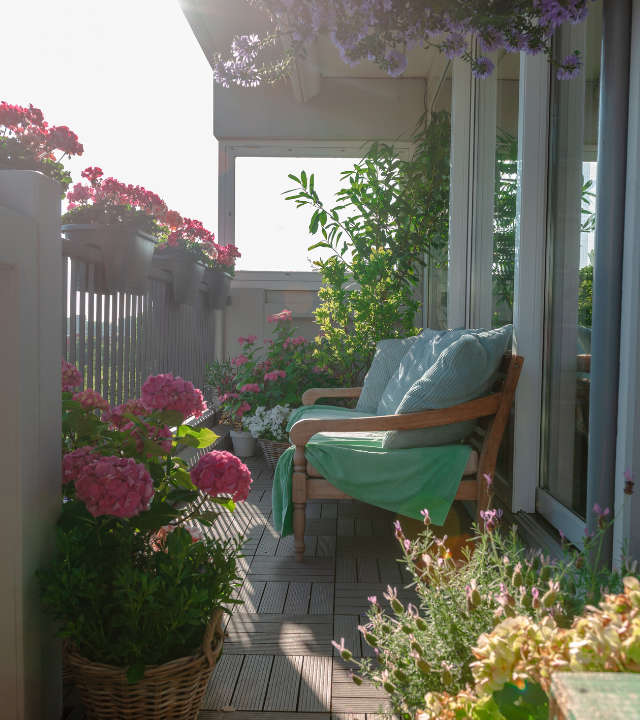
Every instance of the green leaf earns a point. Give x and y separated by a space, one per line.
172 418
153 448
73 514
225 502
135 673
207 518
203 436
187 496
303 179
156 516
182 478
156 471
313 225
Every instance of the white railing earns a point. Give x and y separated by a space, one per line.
120 339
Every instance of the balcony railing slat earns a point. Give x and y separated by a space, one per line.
73 324
82 296
90 324
99 331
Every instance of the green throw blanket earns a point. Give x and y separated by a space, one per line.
403 481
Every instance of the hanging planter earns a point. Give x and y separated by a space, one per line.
186 275
218 283
126 253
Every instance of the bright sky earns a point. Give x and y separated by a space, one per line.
129 78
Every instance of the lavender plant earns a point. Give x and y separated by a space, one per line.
383 31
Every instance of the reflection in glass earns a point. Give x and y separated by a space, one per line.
572 195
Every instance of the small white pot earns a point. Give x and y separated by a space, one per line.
244 444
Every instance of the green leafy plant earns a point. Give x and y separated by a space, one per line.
391 213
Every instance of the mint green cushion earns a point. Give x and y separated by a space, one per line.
386 361
465 370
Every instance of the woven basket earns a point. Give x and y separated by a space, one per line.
173 691
273 450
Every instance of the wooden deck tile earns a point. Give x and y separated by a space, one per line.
381 527
313 569
389 571
345 527
250 594
223 682
284 683
363 527
346 626
268 542
321 526
326 546
298 598
272 634
313 510
252 683
248 715
310 545
369 547
315 685
321 599
329 510
346 570
273 597
367 569
362 510
285 547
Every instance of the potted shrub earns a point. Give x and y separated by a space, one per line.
123 221
186 253
275 378
27 142
136 586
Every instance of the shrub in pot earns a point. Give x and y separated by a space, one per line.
28 142
136 586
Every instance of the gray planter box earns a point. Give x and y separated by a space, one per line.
218 283
186 276
126 254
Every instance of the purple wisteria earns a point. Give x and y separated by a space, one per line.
383 31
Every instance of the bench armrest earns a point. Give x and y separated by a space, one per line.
310 396
304 430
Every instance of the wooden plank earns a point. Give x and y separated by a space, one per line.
315 685
367 569
310 545
326 546
284 684
363 510
370 547
354 589
308 645
73 284
285 547
363 527
329 510
346 626
273 597
261 621
268 542
467 490
320 526
322 489
381 527
346 527
321 602
389 571
223 682
251 594
252 683
346 569
313 510
298 598
248 715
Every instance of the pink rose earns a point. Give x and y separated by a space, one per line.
91 400
71 376
115 486
164 392
74 462
220 472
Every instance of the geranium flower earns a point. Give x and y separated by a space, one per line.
164 392
220 472
115 486
71 376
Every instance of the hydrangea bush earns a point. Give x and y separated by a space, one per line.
276 373
383 31
28 142
135 579
269 423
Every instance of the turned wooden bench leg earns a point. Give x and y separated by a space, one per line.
299 496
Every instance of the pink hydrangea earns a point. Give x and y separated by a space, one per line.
250 387
71 376
91 400
74 462
240 360
245 407
116 416
115 486
283 316
220 472
164 392
161 435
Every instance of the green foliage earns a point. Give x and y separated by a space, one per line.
123 601
585 302
16 155
391 214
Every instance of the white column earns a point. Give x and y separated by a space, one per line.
30 431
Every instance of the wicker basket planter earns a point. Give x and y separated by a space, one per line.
273 450
173 691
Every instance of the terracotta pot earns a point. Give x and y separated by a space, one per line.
218 283
126 254
186 276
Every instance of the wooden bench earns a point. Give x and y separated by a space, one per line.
491 411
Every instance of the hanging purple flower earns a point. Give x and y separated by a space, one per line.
570 67
482 68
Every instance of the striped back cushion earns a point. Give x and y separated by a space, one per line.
388 355
464 371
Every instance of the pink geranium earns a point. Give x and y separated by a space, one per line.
91 400
245 407
291 341
71 376
74 462
283 316
164 392
220 472
250 387
115 486
116 416
240 360
161 435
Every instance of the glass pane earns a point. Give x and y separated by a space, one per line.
574 143
504 231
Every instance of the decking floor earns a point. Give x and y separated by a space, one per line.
278 660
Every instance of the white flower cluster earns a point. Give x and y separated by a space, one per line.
268 423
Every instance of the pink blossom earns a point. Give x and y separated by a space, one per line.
116 417
290 341
272 375
160 435
71 376
245 407
159 539
251 339
221 472
74 462
251 387
282 373
115 486
228 396
91 400
283 316
164 392
242 340
240 360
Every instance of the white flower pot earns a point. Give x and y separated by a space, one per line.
244 444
